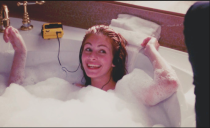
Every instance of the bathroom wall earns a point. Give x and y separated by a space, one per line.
172 6
84 14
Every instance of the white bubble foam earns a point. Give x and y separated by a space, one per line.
48 98
90 107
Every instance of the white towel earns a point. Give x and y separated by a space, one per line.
141 25
134 30
134 24
133 38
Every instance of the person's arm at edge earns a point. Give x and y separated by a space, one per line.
165 79
17 71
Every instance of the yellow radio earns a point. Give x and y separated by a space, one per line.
52 30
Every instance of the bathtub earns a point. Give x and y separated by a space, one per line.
178 110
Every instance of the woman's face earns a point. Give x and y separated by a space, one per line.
97 56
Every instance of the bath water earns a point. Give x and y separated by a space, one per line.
48 98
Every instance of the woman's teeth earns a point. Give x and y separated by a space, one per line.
93 66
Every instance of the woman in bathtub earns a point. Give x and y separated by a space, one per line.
103 56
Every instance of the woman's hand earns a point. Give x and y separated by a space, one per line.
150 44
17 71
11 34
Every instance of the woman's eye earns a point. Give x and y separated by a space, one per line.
88 49
102 51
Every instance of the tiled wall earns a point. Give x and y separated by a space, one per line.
84 14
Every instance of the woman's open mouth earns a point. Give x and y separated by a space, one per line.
93 66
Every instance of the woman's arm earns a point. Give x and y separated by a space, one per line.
165 79
17 71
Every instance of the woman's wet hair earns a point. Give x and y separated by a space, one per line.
119 52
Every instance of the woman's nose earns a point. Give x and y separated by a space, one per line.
93 56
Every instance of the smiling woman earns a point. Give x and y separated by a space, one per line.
103 57
97 60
